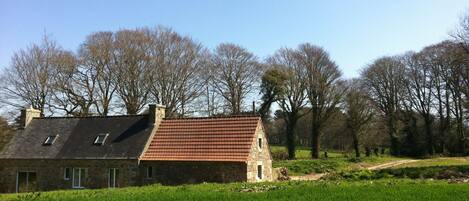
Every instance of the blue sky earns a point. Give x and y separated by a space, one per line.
354 32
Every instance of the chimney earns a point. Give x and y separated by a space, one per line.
156 113
28 114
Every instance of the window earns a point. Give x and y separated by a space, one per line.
50 140
259 142
67 173
79 177
113 176
149 172
259 171
100 139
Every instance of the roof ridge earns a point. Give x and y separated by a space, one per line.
86 117
216 117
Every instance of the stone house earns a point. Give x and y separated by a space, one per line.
117 151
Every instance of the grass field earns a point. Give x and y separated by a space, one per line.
442 161
387 190
335 162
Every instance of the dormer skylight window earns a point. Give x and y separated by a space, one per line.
50 140
100 139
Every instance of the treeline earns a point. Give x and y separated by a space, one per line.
420 99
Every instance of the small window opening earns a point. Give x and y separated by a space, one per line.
259 142
100 139
259 171
67 173
50 140
149 172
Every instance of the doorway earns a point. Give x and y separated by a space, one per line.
26 182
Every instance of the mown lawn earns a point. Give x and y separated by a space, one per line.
442 161
386 190
336 161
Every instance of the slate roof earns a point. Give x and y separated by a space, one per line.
127 138
203 139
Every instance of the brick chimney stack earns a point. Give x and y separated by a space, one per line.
156 113
28 114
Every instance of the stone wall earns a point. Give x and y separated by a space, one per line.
259 156
50 173
166 172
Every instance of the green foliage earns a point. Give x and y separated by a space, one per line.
435 172
392 190
303 167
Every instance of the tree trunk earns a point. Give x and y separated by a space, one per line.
291 140
315 141
355 143
429 132
393 136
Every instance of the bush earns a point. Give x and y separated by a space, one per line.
439 172
279 155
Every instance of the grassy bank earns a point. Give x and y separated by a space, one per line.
392 190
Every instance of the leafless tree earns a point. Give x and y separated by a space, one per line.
325 89
293 99
434 57
358 112
458 86
235 74
73 85
97 57
28 80
133 72
177 64
419 82
385 81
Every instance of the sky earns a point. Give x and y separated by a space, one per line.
354 32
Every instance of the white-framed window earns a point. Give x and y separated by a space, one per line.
259 172
113 177
149 173
100 139
50 140
67 173
78 177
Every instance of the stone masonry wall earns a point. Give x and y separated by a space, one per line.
166 172
50 173
259 157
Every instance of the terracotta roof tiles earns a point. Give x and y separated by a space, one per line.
203 139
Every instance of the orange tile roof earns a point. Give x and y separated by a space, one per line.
203 139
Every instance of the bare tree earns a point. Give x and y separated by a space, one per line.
458 86
97 57
419 84
293 99
133 72
235 74
28 79
358 112
434 57
177 66
323 88
74 86
385 81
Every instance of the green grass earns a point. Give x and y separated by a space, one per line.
443 161
386 190
336 161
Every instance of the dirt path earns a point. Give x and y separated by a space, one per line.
317 176
390 164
